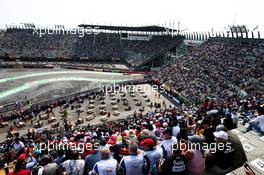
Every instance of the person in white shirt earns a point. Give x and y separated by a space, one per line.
106 165
167 144
258 122
176 129
73 166
18 145
134 164
235 117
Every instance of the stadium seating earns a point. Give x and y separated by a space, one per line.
217 69
222 78
103 46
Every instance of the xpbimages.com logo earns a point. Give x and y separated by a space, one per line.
79 31
80 147
126 88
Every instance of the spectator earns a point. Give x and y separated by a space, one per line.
92 159
18 145
167 143
106 164
45 167
135 163
258 122
154 155
176 164
195 156
58 160
223 158
74 165
20 168
120 150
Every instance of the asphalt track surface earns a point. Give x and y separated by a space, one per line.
43 84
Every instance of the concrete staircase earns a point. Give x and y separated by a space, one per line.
253 144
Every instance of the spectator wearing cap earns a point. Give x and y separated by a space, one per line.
195 155
146 134
239 155
167 144
120 150
223 158
220 128
154 155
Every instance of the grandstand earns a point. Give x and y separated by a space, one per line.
217 69
209 91
110 43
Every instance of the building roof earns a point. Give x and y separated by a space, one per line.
127 28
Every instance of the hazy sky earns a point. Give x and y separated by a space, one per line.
196 15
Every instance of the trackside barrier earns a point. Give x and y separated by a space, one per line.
8 108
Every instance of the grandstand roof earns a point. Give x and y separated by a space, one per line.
126 28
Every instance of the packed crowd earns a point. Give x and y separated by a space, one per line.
171 140
217 69
176 140
103 46
22 43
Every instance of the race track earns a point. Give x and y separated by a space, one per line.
43 84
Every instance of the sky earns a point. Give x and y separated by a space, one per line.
193 15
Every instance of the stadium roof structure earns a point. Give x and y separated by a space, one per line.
126 28
239 29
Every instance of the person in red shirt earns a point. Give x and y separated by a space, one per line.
20 168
